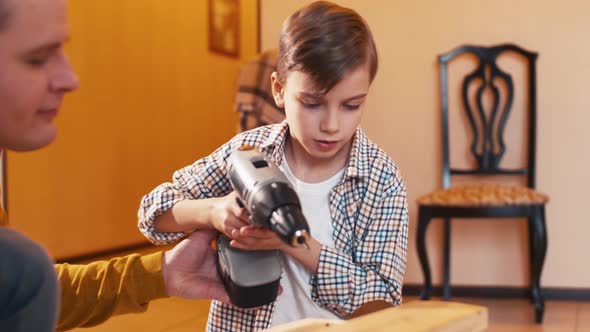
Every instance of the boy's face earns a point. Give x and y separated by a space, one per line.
34 72
323 125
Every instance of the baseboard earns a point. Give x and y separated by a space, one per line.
75 259
549 293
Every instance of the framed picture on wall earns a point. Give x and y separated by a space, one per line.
224 27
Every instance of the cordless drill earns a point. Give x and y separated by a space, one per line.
251 278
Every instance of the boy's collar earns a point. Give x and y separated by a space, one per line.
275 142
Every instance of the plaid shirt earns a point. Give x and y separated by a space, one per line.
253 99
369 218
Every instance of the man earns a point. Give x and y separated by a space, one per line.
34 77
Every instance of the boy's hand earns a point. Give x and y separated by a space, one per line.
227 215
256 238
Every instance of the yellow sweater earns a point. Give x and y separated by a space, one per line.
92 293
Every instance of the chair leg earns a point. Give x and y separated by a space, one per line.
423 221
447 260
538 249
531 255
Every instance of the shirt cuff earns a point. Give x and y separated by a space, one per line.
332 278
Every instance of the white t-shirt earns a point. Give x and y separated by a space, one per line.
295 302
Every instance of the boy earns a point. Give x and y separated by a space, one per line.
352 194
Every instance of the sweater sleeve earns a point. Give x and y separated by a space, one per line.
91 294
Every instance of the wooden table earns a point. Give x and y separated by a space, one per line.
435 316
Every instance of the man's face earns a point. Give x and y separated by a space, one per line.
34 72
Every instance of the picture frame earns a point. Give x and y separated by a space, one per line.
224 27
3 180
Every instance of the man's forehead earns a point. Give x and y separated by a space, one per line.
37 13
37 22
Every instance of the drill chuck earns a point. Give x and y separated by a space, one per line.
286 222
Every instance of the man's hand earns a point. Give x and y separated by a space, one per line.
190 268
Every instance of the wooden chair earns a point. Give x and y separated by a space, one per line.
487 148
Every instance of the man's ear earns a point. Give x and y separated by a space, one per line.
277 89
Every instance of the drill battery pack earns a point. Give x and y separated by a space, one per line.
251 278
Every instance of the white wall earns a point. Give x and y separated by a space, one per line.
403 118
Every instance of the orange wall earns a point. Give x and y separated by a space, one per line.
152 100
403 118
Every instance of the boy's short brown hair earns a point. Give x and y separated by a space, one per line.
325 41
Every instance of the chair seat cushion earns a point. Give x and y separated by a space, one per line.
484 195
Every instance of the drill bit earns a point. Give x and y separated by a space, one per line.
300 238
